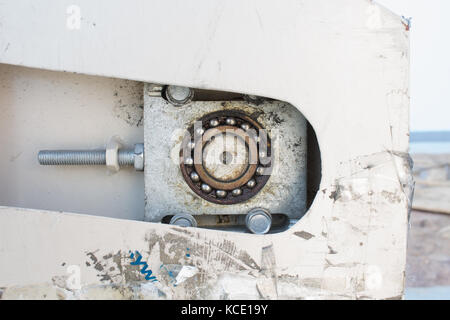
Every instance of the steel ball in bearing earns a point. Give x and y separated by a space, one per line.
251 183
230 121
194 176
236 192
206 188
221 193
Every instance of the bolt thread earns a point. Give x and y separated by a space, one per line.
82 157
126 157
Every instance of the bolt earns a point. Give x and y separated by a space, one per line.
128 157
258 221
183 220
179 96
138 157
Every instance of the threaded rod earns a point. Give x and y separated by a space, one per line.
82 157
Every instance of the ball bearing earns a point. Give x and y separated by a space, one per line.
225 166
251 183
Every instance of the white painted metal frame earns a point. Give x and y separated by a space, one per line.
344 64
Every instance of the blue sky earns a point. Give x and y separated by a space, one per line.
430 61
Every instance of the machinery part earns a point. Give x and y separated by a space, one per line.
179 96
219 157
127 157
183 220
258 221
138 157
112 156
167 189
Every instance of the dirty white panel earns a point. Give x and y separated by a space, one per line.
344 64
55 110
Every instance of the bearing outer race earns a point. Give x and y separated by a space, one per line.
186 169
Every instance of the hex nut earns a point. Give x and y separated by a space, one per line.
112 154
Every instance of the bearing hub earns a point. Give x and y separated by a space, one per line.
225 157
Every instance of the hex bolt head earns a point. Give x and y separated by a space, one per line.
183 220
258 221
139 157
189 161
178 95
